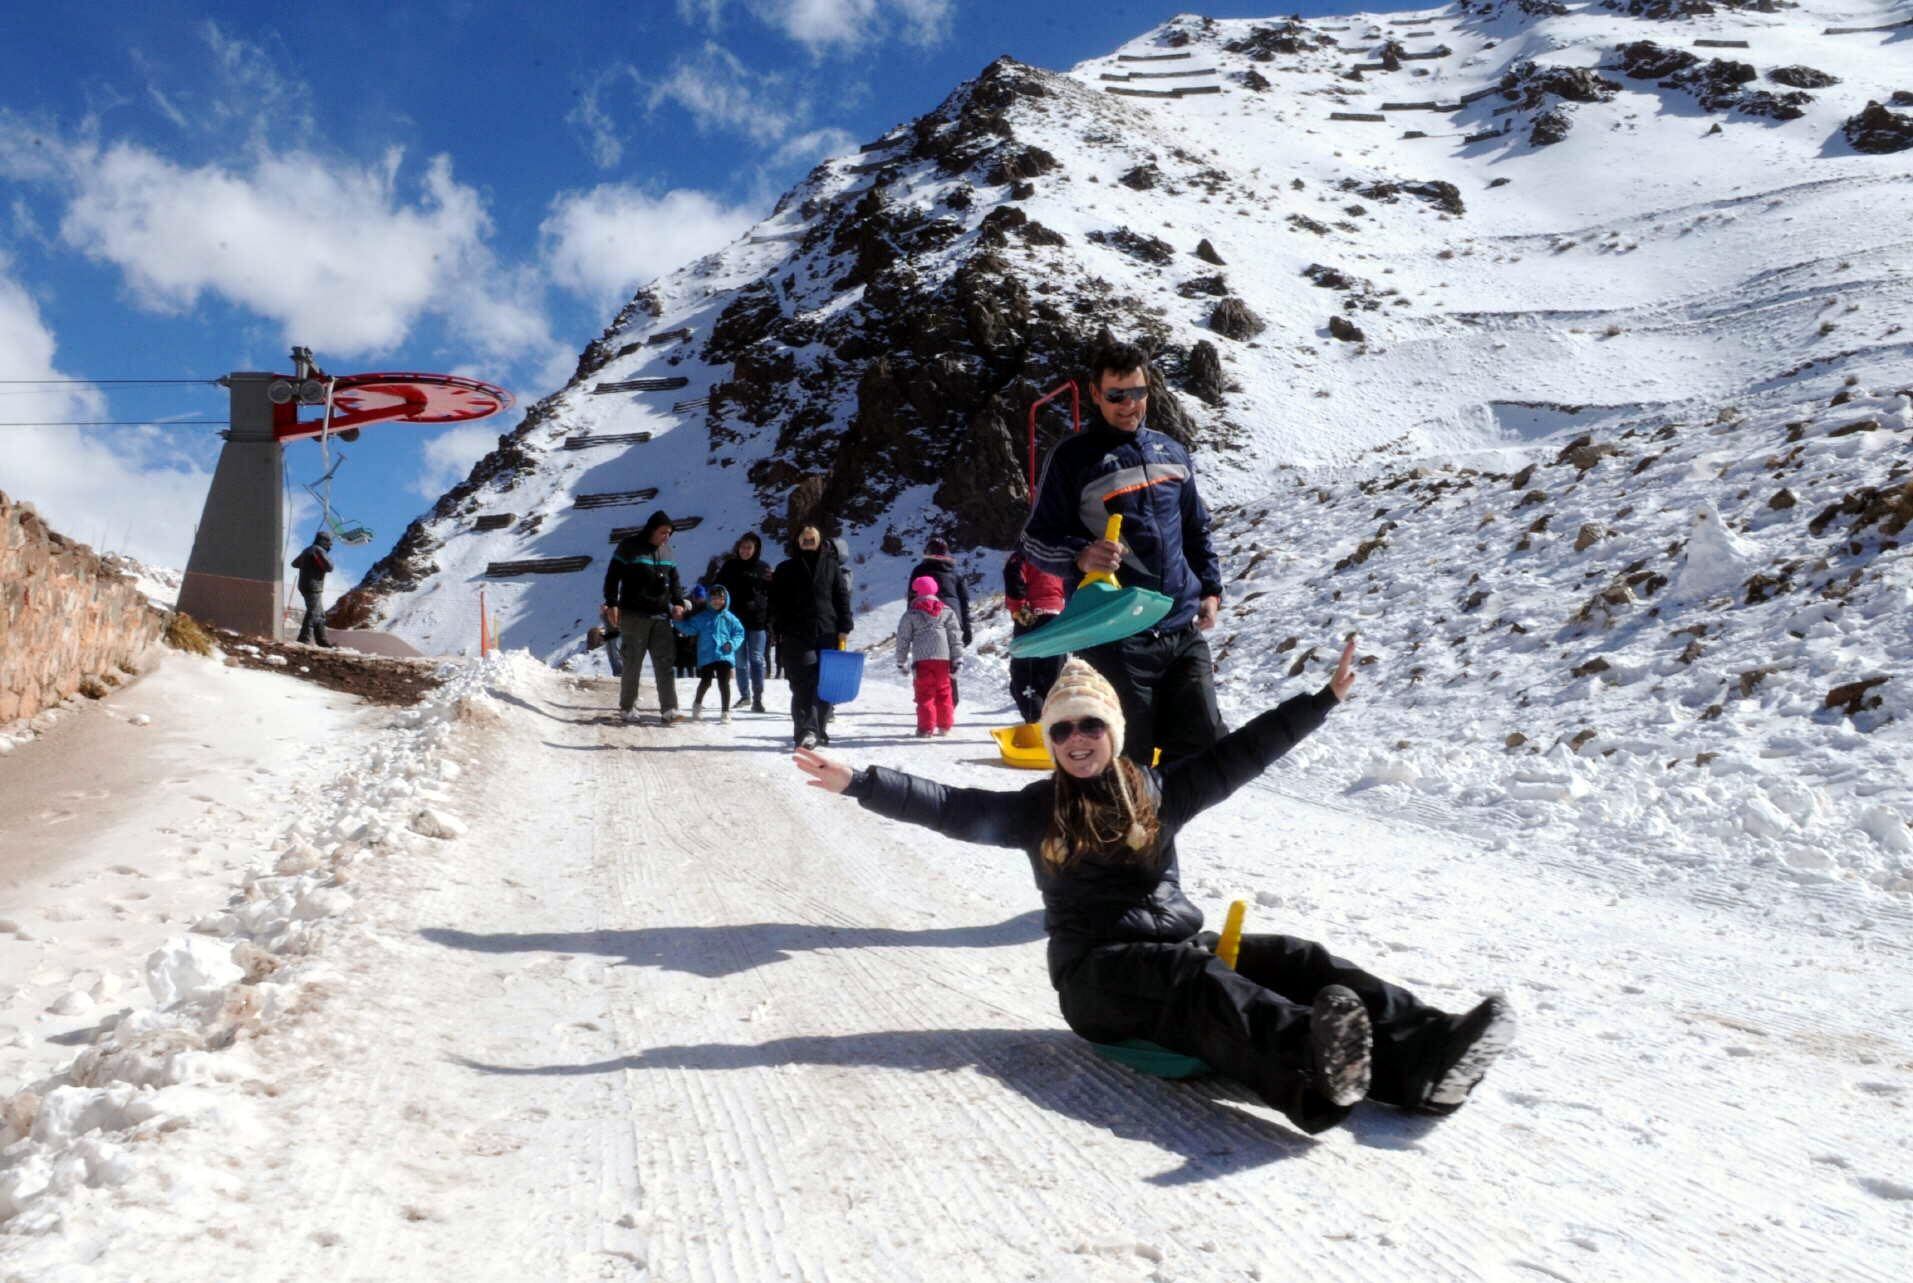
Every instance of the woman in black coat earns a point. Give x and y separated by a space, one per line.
810 612
747 577
1309 1031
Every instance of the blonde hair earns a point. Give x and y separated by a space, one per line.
810 537
1083 824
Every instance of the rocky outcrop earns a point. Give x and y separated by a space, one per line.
1718 84
1878 131
1232 318
69 622
1444 196
1204 378
1686 10
1798 77
1264 42
1545 91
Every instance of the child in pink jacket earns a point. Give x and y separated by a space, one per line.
929 630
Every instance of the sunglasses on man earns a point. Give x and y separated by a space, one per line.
1116 396
1089 728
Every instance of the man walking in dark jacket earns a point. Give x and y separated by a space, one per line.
312 565
939 565
810 611
747 577
1164 676
642 596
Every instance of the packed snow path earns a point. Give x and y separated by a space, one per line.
662 1013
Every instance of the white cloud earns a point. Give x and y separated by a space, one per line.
329 250
603 243
126 490
720 92
333 251
448 457
592 118
844 25
706 13
815 145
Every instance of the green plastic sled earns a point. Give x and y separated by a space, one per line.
1153 1059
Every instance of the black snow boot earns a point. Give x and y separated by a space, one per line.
1339 1042
1479 1037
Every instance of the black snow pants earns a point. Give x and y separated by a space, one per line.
808 714
1251 1023
1166 682
1030 679
312 627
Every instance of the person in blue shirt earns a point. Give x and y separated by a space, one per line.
719 635
1164 676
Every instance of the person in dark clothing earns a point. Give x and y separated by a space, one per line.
747 577
810 609
1310 1032
1033 597
939 565
642 596
1164 675
313 564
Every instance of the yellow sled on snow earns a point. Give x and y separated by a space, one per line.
1023 747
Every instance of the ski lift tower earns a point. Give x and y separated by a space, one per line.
236 578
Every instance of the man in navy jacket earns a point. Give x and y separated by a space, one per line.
1165 676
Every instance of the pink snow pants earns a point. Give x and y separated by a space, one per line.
936 703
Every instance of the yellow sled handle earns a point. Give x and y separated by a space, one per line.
1113 532
1231 942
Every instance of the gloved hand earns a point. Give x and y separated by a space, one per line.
843 641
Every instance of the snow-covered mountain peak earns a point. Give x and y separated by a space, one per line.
1629 255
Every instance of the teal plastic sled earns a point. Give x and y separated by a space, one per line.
1096 615
1100 611
1150 1058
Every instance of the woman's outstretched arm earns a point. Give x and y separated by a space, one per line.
984 816
1197 783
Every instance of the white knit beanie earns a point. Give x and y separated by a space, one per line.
1080 691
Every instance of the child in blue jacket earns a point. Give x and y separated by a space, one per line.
719 635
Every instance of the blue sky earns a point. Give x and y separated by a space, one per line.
451 186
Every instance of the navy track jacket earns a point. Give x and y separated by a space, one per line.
1148 479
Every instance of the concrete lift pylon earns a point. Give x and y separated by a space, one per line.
236 577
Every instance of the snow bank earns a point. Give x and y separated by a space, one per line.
101 1120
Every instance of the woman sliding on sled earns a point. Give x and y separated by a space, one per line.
1310 1032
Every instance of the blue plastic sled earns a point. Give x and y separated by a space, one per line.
840 675
1150 1058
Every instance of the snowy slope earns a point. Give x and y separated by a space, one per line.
670 1015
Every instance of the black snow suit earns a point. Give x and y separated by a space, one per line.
1127 954
810 609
